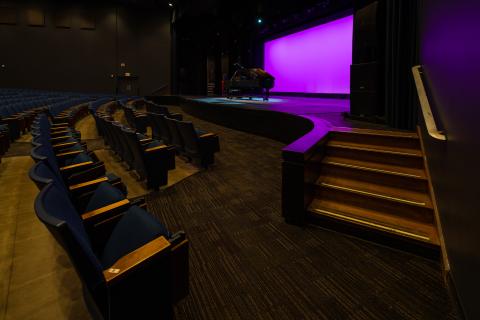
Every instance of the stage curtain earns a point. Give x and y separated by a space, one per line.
401 53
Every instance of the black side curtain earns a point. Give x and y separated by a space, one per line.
401 53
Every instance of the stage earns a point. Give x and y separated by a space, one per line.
328 109
299 122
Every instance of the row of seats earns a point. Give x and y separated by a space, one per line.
18 108
148 157
194 144
130 264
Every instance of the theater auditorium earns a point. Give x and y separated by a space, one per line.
220 159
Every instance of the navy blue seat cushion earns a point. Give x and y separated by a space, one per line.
136 228
76 147
111 176
104 195
58 205
71 139
79 158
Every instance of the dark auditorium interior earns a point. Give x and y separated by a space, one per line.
220 159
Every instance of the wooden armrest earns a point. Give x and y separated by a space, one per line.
65 154
135 258
58 130
87 184
163 146
205 135
66 144
73 166
95 213
95 171
59 138
146 140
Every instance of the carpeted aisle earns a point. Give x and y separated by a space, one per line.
246 263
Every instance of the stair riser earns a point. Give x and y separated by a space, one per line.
376 140
374 204
377 157
381 179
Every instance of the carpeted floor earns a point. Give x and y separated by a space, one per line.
246 263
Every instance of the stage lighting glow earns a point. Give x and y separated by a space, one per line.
259 20
316 60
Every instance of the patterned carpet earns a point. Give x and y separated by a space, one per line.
246 263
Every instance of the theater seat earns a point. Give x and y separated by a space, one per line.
137 273
198 145
88 196
177 140
105 194
151 160
160 128
136 228
79 158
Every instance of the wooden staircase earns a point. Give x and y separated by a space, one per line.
377 180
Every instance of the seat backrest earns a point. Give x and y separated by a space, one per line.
124 147
161 127
189 136
45 152
137 151
55 210
38 153
175 133
41 174
112 138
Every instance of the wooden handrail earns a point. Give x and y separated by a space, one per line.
425 105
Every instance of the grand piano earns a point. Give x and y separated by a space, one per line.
247 81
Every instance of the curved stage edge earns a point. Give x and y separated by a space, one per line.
304 136
301 133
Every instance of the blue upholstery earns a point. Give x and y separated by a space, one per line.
104 195
136 228
52 201
111 176
75 147
82 157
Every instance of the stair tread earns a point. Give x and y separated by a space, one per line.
371 189
385 133
375 148
375 167
378 220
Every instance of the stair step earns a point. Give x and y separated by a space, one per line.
390 150
383 133
400 226
379 180
373 190
385 168
370 201
377 138
415 163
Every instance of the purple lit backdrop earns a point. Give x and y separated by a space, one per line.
316 60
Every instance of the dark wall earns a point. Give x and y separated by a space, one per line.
450 53
75 59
